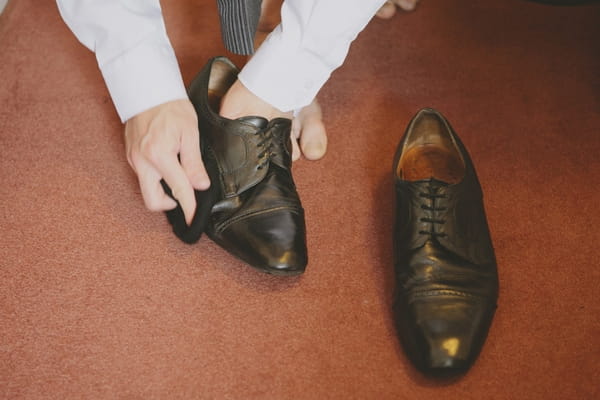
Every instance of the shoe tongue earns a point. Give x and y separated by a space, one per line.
431 183
258 122
436 182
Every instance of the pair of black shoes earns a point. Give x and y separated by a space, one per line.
447 282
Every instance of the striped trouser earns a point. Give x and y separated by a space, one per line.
239 20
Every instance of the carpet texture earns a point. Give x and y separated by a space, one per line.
99 300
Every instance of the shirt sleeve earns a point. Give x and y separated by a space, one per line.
132 48
298 57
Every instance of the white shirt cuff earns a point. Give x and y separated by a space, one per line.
297 58
143 77
288 78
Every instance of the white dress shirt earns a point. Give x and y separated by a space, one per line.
140 69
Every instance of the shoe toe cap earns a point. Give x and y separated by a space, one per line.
443 335
288 261
274 242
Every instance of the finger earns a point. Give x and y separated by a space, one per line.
313 140
191 160
296 127
406 5
169 168
387 10
295 134
153 194
295 150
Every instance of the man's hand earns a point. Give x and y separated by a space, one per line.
153 139
307 126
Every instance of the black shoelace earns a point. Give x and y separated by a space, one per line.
433 208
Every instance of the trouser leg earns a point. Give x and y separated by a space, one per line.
239 20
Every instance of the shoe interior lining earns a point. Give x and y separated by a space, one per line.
431 161
430 153
222 76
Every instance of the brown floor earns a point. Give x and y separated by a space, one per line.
99 300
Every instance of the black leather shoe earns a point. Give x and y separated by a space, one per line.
255 212
447 282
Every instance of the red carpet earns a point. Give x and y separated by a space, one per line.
99 300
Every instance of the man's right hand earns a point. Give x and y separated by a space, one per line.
153 139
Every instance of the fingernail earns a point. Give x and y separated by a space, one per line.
408 5
171 204
314 150
202 183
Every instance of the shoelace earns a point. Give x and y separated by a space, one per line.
432 207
